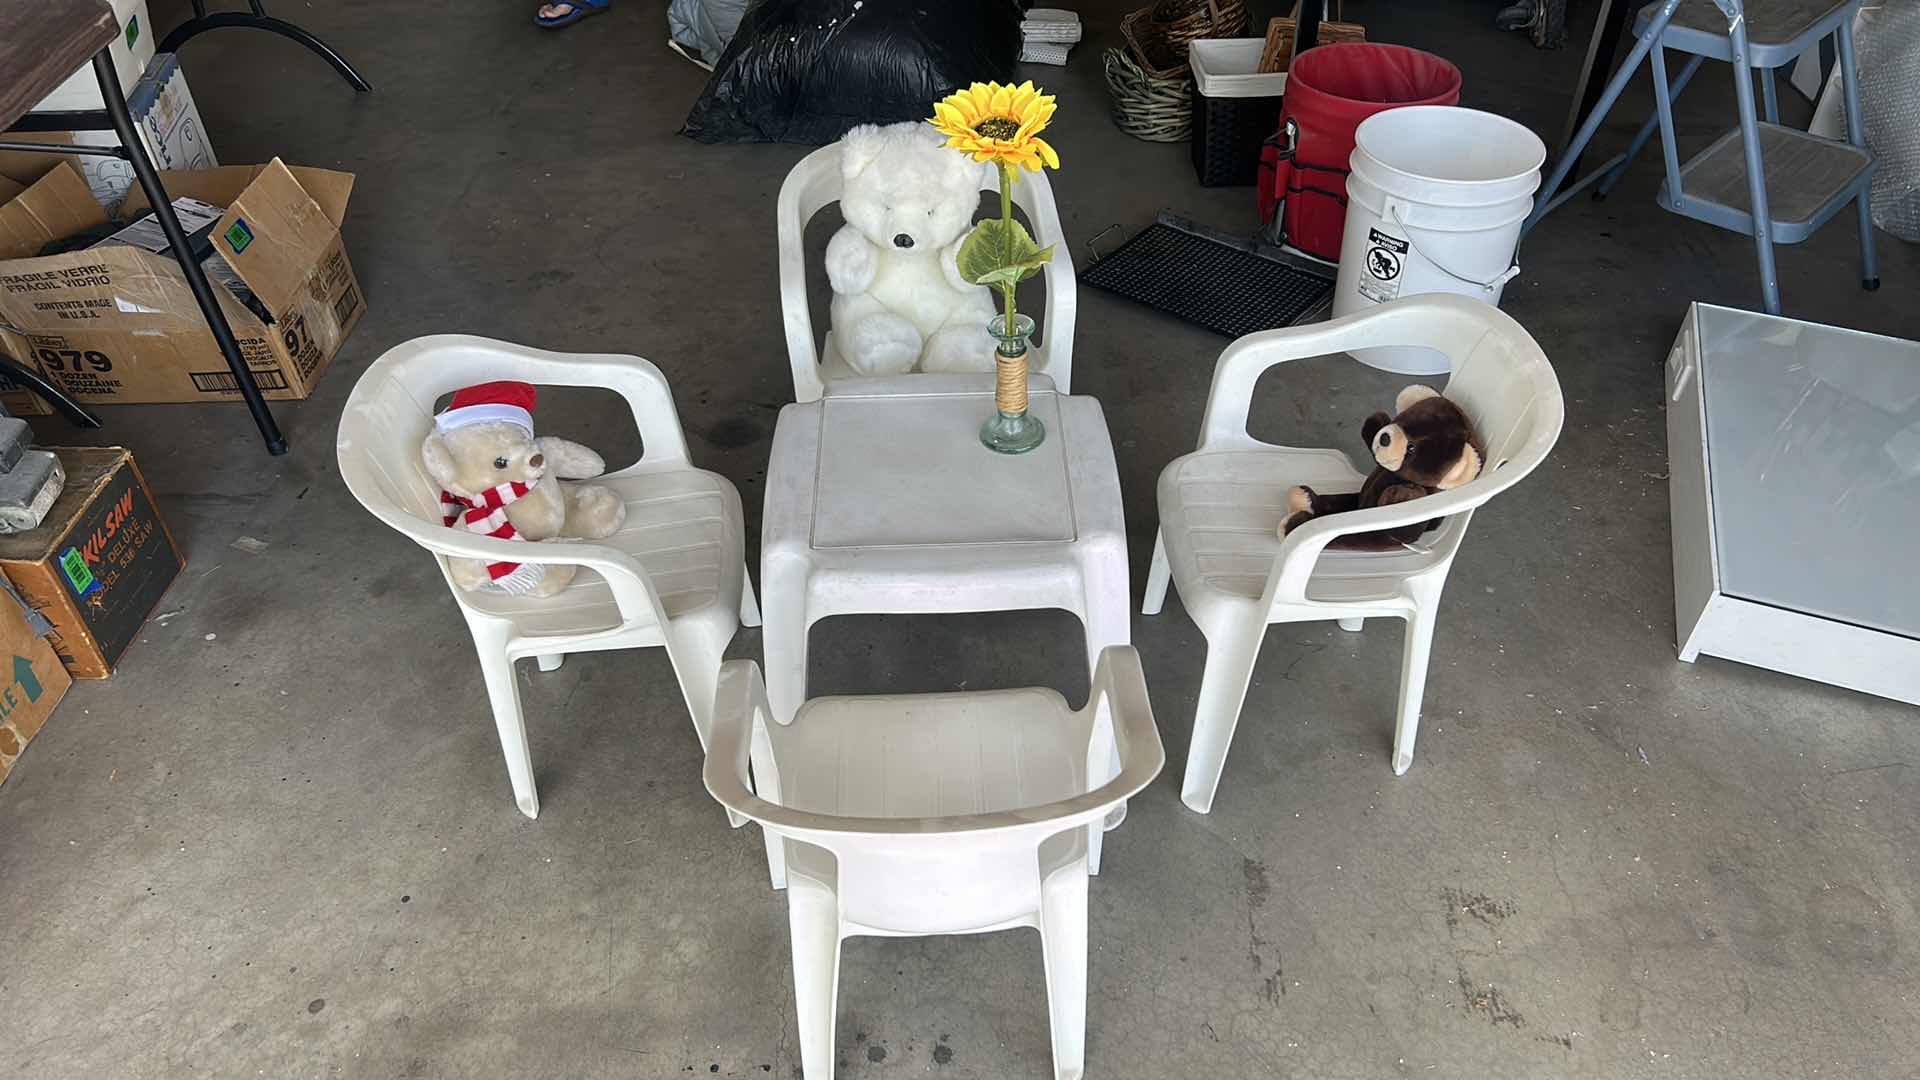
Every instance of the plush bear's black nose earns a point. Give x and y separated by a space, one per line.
1385 440
903 241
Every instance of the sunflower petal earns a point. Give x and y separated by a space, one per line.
1002 101
1047 153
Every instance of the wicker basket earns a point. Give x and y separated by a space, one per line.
1158 36
1279 49
1145 107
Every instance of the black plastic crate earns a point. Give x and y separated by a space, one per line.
1227 133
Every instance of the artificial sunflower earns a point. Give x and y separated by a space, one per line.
1001 124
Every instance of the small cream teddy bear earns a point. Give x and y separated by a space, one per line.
497 480
899 302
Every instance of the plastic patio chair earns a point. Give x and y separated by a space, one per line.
672 576
815 182
911 816
1221 508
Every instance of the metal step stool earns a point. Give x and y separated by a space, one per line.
1774 183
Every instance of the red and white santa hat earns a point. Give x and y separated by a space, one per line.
494 402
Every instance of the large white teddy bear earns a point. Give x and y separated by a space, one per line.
899 303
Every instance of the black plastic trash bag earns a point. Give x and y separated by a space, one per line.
807 70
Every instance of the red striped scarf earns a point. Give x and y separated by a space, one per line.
487 516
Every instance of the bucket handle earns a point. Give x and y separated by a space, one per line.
1393 213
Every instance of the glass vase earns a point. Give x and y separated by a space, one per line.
1011 430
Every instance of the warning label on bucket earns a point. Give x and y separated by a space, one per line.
1386 256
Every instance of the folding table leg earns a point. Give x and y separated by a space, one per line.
177 238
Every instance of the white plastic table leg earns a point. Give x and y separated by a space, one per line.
550 661
1223 689
783 635
813 919
1063 939
1352 626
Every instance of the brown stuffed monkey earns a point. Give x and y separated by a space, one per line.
1429 446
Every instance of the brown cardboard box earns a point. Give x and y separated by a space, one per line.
18 400
117 324
34 682
99 564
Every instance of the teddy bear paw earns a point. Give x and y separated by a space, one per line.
959 348
595 512
1300 499
883 345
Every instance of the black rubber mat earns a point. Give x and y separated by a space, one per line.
1229 285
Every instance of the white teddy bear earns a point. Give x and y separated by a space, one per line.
899 302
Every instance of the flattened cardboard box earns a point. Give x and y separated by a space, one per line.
99 565
34 683
116 324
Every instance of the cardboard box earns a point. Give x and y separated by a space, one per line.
32 681
17 399
99 565
170 128
115 325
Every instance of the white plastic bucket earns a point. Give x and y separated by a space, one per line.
1435 201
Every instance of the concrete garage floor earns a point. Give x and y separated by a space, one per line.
280 841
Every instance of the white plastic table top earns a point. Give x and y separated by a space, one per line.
1813 434
883 495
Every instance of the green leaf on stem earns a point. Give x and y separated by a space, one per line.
1001 254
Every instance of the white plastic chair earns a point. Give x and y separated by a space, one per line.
673 575
815 182
934 814
1221 507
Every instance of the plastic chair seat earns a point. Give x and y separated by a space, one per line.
682 527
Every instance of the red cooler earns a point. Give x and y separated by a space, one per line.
1330 89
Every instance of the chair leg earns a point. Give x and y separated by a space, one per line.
749 607
503 693
1352 626
813 918
1857 135
696 661
1159 573
1063 939
1223 689
1413 683
550 661
1756 170
1769 96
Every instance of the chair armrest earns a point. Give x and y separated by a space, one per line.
740 713
633 591
796 316
1063 302
1301 548
1119 699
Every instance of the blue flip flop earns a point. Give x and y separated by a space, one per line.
577 10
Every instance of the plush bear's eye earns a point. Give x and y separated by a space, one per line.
499 463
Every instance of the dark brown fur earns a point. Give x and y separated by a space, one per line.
1428 441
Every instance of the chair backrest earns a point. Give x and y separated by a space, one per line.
815 183
911 874
390 412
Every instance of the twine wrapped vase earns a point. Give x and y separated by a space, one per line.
1011 429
